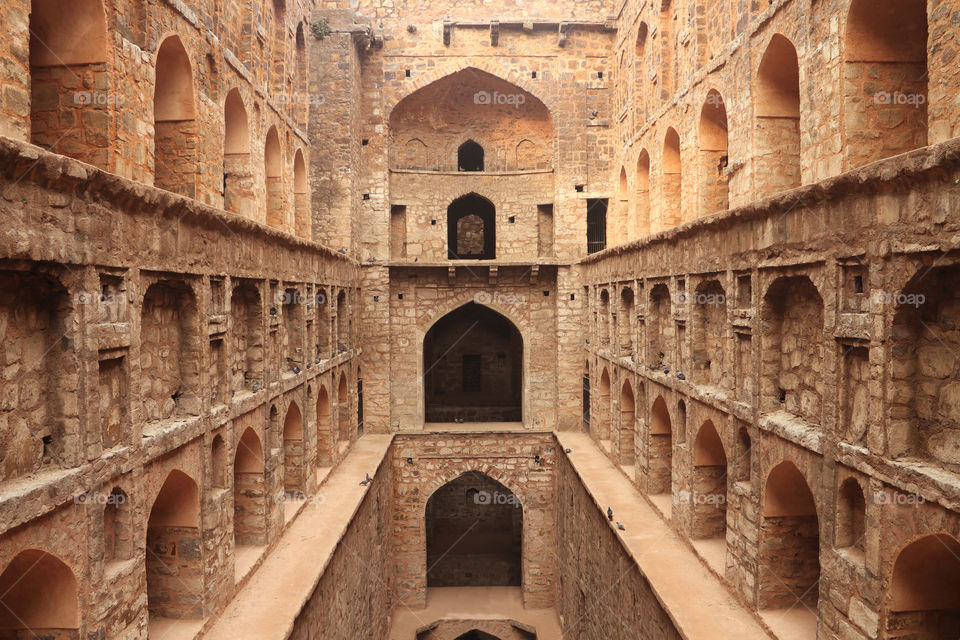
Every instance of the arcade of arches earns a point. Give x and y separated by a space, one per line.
426 320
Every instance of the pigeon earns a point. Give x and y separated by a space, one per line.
536 459
256 387
681 376
621 527
666 369
364 483
610 514
568 450
296 369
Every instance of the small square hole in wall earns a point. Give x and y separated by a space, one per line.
366 196
534 75
579 188
573 296
399 296
407 72
364 142
858 284
599 75
512 219
433 222
546 294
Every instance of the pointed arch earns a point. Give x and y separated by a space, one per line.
474 534
777 126
38 594
713 158
249 492
628 423
301 195
660 449
671 180
294 470
174 552
641 217
273 172
709 484
174 120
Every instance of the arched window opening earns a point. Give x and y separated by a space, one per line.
474 529
64 117
470 157
473 367
671 180
301 196
668 51
660 328
640 69
294 463
641 218
38 597
175 569
293 325
273 170
789 543
777 142
622 222
471 229
924 600
628 424
709 499
238 196
602 423
851 516
249 492
885 79
175 139
660 480
713 158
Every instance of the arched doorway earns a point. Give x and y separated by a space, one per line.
660 449
925 590
38 597
174 550
789 542
249 492
471 229
474 529
473 367
293 458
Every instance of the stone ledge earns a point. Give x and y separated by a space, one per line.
920 164
696 601
273 597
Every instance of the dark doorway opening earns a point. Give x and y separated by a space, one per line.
471 229
474 534
473 367
470 157
596 225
